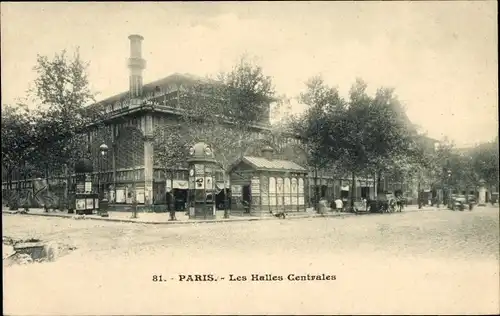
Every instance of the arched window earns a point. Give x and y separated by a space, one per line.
287 191
272 191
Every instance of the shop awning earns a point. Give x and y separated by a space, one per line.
178 184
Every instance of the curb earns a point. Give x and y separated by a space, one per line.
116 220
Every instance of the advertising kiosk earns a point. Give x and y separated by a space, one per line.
86 200
201 194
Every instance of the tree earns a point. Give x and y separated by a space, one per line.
485 162
247 91
18 143
61 91
312 127
362 135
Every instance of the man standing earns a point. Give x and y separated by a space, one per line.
339 205
170 206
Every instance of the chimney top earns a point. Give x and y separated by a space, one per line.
135 36
267 152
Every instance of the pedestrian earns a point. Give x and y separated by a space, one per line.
170 207
364 203
246 206
339 205
323 206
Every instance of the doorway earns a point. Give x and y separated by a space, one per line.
246 197
246 193
344 194
220 199
180 199
365 192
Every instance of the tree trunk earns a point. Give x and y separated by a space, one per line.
26 205
15 202
379 182
45 199
10 179
467 194
66 187
171 203
353 190
134 197
9 175
9 186
419 195
226 204
316 189
375 184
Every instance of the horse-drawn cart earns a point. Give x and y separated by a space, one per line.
385 203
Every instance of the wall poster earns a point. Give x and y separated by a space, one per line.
120 196
255 186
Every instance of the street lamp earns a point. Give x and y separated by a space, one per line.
103 149
481 201
449 189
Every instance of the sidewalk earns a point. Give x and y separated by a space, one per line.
182 218
163 218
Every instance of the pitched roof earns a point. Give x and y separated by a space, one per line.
173 78
261 163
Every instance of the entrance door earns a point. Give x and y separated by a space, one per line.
220 199
344 194
365 192
246 196
180 199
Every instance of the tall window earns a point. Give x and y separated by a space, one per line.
272 191
287 192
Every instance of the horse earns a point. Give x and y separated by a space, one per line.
391 206
400 203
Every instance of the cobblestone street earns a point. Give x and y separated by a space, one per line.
426 262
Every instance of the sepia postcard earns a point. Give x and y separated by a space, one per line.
250 158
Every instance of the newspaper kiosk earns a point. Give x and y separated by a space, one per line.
202 187
86 200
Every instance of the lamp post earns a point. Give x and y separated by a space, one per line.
134 186
103 201
481 201
449 189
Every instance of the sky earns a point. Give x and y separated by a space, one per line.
441 56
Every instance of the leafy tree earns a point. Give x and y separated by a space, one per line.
360 135
247 92
61 91
312 127
485 162
18 143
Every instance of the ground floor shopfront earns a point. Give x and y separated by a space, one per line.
119 188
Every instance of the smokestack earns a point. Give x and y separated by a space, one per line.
136 64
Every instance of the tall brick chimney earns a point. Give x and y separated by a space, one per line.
136 65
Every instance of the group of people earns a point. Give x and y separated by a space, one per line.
340 204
